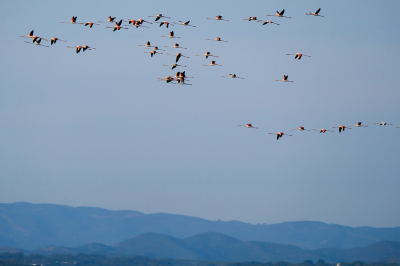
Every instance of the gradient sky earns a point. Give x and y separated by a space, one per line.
98 128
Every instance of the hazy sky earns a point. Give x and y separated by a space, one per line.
98 129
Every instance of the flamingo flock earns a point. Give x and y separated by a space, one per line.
180 77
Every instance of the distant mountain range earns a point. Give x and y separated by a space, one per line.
219 247
32 226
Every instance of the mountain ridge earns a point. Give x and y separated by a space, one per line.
29 226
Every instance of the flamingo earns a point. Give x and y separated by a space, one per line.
158 17
358 125
117 26
212 64
156 49
54 40
232 76
147 44
110 19
269 22
73 21
184 23
173 65
383 124
181 75
218 39
78 48
322 130
280 14
252 18
30 35
166 23
171 35
178 56
219 17
279 135
298 55
152 53
90 24
167 79
316 13
207 54
285 79
248 126
176 45
37 42
301 129
181 81
84 48
341 128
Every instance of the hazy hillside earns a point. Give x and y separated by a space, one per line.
31 226
219 247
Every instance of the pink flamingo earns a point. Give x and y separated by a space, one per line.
33 36
232 76
341 128
184 23
252 18
269 22
316 13
110 19
178 56
383 124
279 135
301 129
280 14
152 53
117 26
173 65
212 64
171 35
219 17
37 42
54 40
322 130
207 54
298 55
218 39
248 126
285 79
158 17
176 45
73 21
358 125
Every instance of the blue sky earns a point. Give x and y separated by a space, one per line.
98 128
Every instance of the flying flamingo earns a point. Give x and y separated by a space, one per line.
176 45
301 129
268 22
110 19
285 79
158 17
33 36
322 130
167 79
173 65
181 81
232 76
219 17
73 21
184 23
279 135
248 126
84 48
207 54
358 125
78 48
218 39
147 44
37 42
156 49
117 26
90 24
341 128
181 75
171 35
383 124
178 56
280 14
298 55
316 13
152 53
252 18
54 40
166 23
212 64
